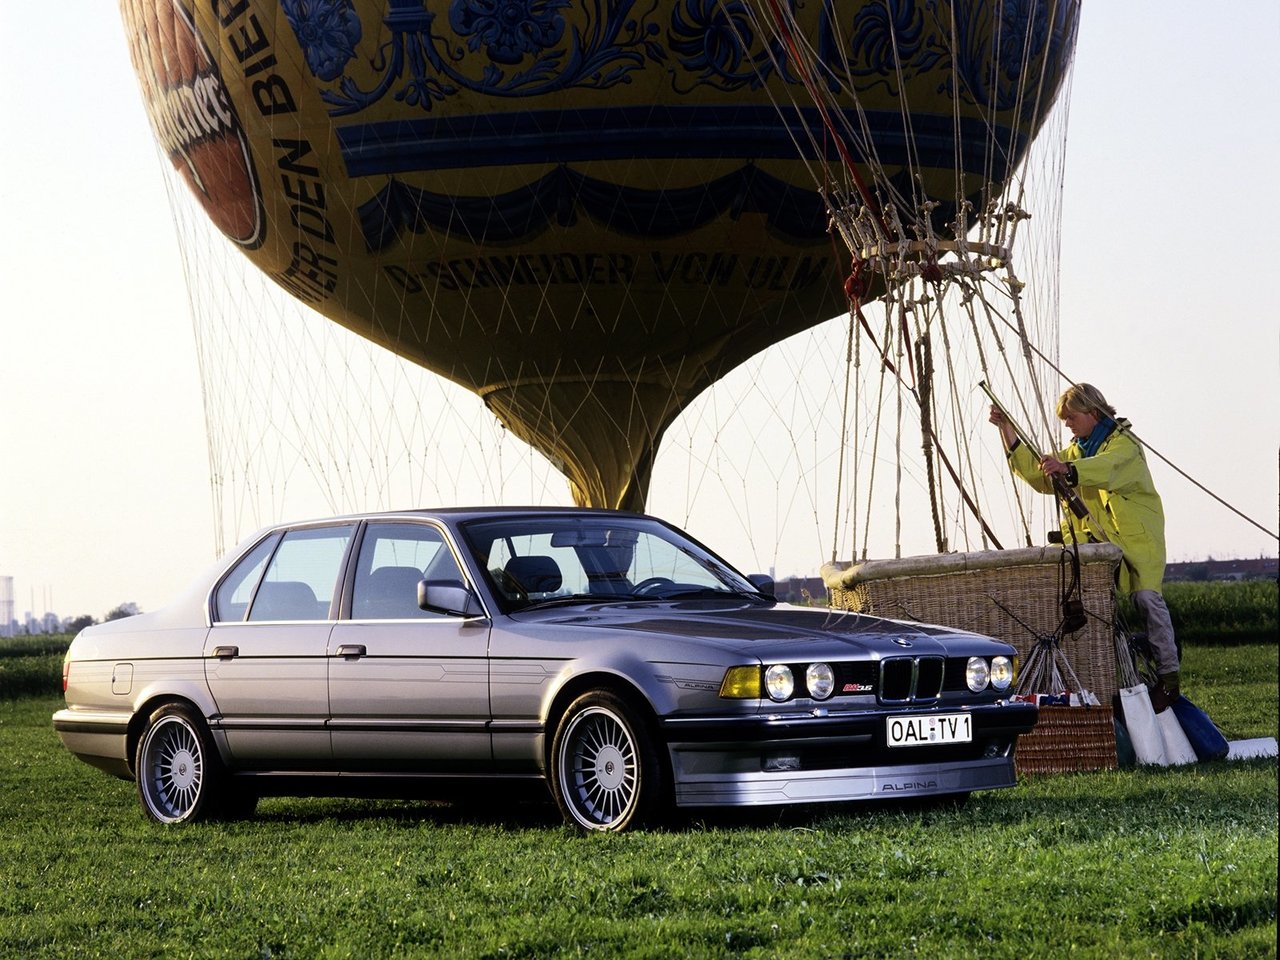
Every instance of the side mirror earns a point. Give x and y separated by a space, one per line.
764 583
448 596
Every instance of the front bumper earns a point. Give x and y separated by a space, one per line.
748 760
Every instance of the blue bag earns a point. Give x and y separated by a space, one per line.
1125 755
1206 739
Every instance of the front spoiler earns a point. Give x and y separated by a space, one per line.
863 783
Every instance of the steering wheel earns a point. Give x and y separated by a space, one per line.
651 584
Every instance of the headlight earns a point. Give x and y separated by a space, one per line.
976 674
741 683
779 681
821 680
1001 673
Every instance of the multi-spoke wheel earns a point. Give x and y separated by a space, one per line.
607 774
177 767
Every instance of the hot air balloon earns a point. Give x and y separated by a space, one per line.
587 212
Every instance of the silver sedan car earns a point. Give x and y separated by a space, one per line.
607 655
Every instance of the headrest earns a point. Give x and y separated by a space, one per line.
534 574
285 600
388 593
395 580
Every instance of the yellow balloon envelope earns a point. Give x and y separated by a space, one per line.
584 211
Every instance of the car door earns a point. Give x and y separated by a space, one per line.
266 656
408 688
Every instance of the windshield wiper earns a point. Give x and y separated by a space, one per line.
582 598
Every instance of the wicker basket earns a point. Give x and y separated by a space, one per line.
1066 740
1012 595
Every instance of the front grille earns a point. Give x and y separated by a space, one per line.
954 681
895 678
910 679
929 678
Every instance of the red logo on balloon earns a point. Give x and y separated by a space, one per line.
194 120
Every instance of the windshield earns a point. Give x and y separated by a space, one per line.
537 560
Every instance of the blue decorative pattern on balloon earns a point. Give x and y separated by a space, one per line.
558 196
889 41
525 48
508 29
510 32
715 40
972 53
1025 31
327 30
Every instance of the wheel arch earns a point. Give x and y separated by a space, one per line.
142 715
614 683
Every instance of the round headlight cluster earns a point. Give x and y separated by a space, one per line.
976 674
779 681
1001 673
998 674
821 680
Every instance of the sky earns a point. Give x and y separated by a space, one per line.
1168 255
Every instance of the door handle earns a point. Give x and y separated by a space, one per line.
351 650
226 652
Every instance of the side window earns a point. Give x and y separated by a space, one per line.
299 582
393 558
233 596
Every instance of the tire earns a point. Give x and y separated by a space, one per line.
606 772
180 778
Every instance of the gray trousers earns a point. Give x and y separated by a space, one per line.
1159 629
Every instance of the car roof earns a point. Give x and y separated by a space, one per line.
466 513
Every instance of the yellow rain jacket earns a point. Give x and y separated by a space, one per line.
1124 507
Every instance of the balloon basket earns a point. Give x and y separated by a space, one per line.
1068 740
1014 596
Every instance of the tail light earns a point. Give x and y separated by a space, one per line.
66 671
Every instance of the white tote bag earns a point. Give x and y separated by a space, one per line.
1144 729
1177 748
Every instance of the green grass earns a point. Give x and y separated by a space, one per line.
36 646
32 666
30 676
1135 863
1224 612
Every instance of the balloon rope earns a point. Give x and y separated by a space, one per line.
844 432
924 363
946 462
1146 446
810 84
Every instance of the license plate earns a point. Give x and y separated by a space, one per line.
929 730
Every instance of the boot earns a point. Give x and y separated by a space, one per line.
1169 681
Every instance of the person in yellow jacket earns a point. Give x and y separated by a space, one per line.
1108 469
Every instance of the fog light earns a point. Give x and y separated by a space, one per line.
976 674
821 680
779 681
1001 673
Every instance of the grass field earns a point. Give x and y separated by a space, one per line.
1135 863
1221 612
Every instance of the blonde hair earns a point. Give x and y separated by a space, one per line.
1084 398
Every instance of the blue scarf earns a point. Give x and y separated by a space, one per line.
1091 444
